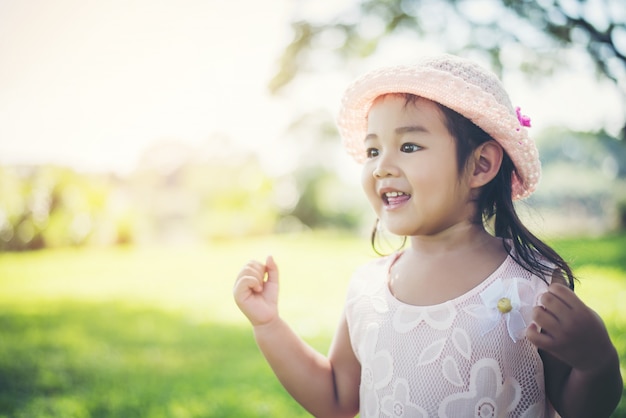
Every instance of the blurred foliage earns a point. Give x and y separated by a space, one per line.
583 180
178 194
192 194
54 207
322 200
528 35
50 207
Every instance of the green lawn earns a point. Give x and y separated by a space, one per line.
153 332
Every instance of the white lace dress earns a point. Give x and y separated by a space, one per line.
466 357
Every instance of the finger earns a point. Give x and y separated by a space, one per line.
554 302
272 270
545 320
253 268
246 284
535 335
566 294
539 339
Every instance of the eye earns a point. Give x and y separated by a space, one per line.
371 152
408 147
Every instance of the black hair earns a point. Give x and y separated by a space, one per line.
495 202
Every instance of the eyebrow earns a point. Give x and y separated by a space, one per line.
409 129
400 131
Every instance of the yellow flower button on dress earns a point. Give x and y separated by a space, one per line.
504 305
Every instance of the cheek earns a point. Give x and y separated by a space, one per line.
366 178
368 183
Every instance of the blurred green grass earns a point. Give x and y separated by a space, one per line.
112 360
153 332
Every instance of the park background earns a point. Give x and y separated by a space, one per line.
150 148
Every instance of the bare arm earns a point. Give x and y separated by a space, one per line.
581 364
325 386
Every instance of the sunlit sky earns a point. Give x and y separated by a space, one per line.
93 84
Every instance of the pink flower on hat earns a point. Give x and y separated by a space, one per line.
523 119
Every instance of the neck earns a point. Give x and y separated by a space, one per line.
459 237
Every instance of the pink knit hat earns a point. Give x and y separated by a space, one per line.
458 84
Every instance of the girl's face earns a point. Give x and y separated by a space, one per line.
411 177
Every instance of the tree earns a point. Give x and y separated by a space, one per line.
48 206
533 31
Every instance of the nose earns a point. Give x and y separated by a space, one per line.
384 168
379 173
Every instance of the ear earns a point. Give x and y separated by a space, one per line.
487 159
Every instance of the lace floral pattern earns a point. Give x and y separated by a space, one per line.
440 317
399 404
376 370
488 396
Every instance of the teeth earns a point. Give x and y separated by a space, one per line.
394 194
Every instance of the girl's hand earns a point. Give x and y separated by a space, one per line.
569 330
256 291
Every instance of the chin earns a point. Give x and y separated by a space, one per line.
399 230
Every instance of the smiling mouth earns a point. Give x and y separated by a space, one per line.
395 198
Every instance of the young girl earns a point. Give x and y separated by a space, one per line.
463 322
